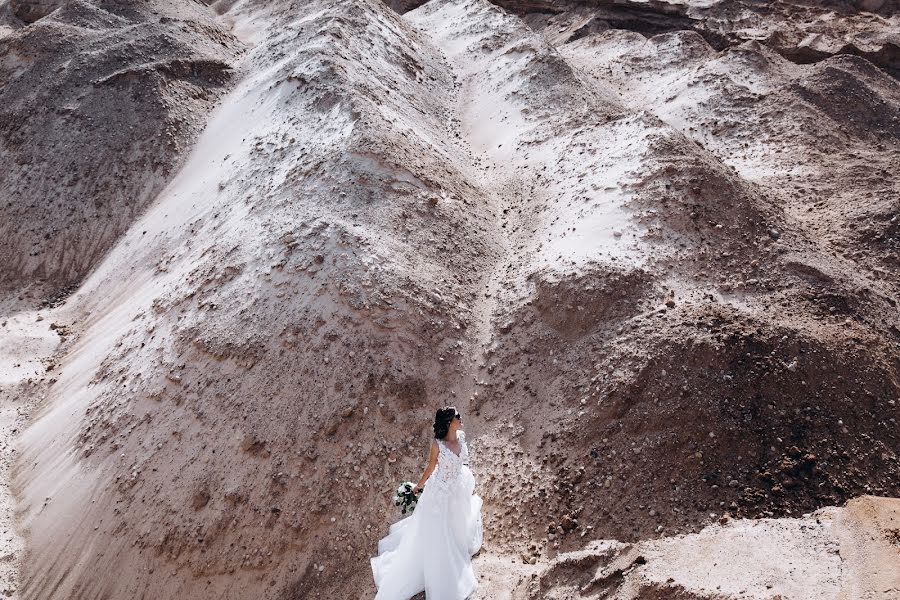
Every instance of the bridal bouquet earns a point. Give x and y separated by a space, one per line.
405 498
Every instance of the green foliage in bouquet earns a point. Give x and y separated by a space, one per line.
405 498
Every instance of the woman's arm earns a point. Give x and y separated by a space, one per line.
432 462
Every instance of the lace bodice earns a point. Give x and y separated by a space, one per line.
449 465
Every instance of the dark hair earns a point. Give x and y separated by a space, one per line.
442 420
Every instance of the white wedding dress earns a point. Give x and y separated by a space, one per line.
431 549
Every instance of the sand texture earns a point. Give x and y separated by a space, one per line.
650 250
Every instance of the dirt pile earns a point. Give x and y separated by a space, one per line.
99 102
200 396
803 32
657 275
739 559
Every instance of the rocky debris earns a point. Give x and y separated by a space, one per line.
99 103
799 31
32 10
359 301
740 559
653 268
201 499
582 303
747 442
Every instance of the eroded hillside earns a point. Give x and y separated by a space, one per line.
648 249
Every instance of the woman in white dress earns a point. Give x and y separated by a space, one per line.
431 549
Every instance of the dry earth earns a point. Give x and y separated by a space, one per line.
100 102
649 249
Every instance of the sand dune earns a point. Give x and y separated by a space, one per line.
648 251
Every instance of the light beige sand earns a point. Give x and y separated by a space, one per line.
657 278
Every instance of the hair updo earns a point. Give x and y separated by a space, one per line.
442 421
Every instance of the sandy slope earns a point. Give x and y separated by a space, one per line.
99 102
650 273
833 553
28 340
321 283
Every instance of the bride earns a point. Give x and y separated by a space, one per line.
431 549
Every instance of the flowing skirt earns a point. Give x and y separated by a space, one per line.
431 549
